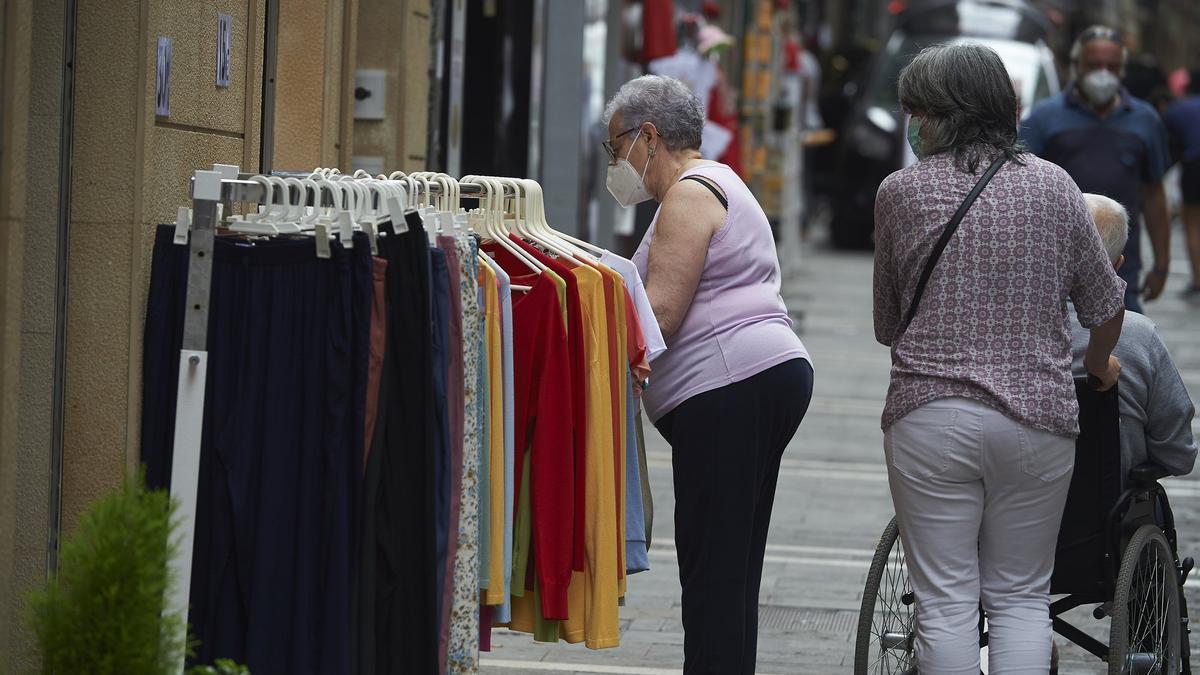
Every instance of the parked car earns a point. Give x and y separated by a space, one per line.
874 133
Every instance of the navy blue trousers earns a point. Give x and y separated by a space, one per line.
281 444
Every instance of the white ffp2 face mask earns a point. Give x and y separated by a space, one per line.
624 183
1100 86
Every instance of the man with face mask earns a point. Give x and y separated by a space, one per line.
1111 144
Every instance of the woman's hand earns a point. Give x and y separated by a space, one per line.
1104 377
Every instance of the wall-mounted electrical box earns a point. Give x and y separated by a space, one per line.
369 101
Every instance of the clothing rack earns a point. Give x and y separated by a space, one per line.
212 192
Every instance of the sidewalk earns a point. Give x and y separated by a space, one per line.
831 505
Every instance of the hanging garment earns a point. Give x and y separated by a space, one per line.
636 550
544 410
272 548
637 370
485 435
504 613
456 413
644 469
592 596
440 334
494 566
404 602
655 344
614 317
378 339
463 646
658 29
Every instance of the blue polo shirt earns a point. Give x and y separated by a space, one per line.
1183 123
1114 156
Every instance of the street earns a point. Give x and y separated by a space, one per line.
832 500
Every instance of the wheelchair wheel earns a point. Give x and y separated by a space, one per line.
887 619
1146 629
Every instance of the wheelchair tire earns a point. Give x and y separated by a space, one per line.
1146 631
885 637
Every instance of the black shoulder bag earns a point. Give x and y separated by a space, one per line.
940 246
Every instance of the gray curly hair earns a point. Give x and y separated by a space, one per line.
666 103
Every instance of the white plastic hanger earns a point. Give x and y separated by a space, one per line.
258 223
343 219
290 221
490 223
335 219
536 227
282 219
583 246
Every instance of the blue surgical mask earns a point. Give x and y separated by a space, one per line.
914 134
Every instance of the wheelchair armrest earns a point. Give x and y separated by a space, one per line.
1145 474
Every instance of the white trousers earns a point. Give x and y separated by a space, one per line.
979 498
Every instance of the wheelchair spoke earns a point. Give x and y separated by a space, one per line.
891 628
1149 630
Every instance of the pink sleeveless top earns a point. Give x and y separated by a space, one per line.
737 325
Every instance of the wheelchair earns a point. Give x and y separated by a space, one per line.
1116 550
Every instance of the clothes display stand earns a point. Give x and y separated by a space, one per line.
457 452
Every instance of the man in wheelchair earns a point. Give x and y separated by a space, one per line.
1156 410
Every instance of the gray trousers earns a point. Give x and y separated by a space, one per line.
979 498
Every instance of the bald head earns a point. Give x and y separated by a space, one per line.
1112 222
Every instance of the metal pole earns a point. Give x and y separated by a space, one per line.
193 370
58 399
270 61
537 70
454 103
561 132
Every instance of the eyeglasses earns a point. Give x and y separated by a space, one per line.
610 148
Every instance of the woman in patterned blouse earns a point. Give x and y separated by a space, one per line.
981 415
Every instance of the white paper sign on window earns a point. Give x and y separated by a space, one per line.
162 79
224 48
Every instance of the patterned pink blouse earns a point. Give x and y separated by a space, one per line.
993 324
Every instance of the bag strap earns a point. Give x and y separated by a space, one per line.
706 182
951 227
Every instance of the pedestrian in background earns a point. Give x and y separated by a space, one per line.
1113 144
981 415
730 390
1183 125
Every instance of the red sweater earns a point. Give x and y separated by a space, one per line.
578 363
544 411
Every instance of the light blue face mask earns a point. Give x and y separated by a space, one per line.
914 135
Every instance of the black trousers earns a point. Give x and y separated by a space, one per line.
281 445
726 445
397 614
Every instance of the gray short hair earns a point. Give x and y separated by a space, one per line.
1112 222
666 103
966 101
1091 34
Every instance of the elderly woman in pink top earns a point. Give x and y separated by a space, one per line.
735 381
981 414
